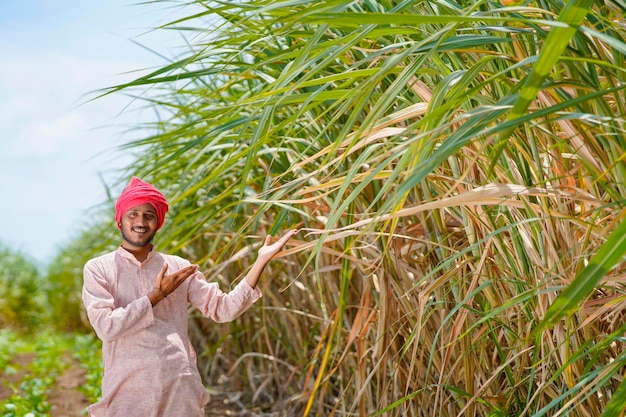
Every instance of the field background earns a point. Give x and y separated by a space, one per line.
457 173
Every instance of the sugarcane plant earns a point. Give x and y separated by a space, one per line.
457 172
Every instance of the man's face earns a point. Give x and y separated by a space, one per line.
139 224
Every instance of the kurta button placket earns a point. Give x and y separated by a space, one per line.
142 278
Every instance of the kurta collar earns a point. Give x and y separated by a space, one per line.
126 254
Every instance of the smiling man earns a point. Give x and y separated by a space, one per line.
136 300
135 226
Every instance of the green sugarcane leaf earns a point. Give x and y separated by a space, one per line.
573 15
617 405
607 256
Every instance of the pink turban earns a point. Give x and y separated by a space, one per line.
138 192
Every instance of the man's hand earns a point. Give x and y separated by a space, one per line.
164 284
267 252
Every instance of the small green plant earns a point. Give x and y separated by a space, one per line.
10 344
87 352
30 394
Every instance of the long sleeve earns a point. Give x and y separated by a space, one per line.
108 320
217 305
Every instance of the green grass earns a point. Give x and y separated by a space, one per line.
31 391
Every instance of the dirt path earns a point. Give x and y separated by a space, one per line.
65 398
67 401
14 375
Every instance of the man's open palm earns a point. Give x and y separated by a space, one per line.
269 250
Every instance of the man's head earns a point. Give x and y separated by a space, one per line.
140 211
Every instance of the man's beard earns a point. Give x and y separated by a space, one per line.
138 243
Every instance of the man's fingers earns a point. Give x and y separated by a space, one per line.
190 271
160 275
172 281
281 242
285 238
289 235
184 273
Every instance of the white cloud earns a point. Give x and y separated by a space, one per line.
47 137
15 107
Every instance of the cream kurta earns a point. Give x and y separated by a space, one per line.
149 364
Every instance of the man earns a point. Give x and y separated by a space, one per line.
136 300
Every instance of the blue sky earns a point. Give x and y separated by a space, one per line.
53 149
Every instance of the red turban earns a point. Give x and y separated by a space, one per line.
138 192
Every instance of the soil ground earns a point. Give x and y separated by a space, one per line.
14 374
65 398
67 401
